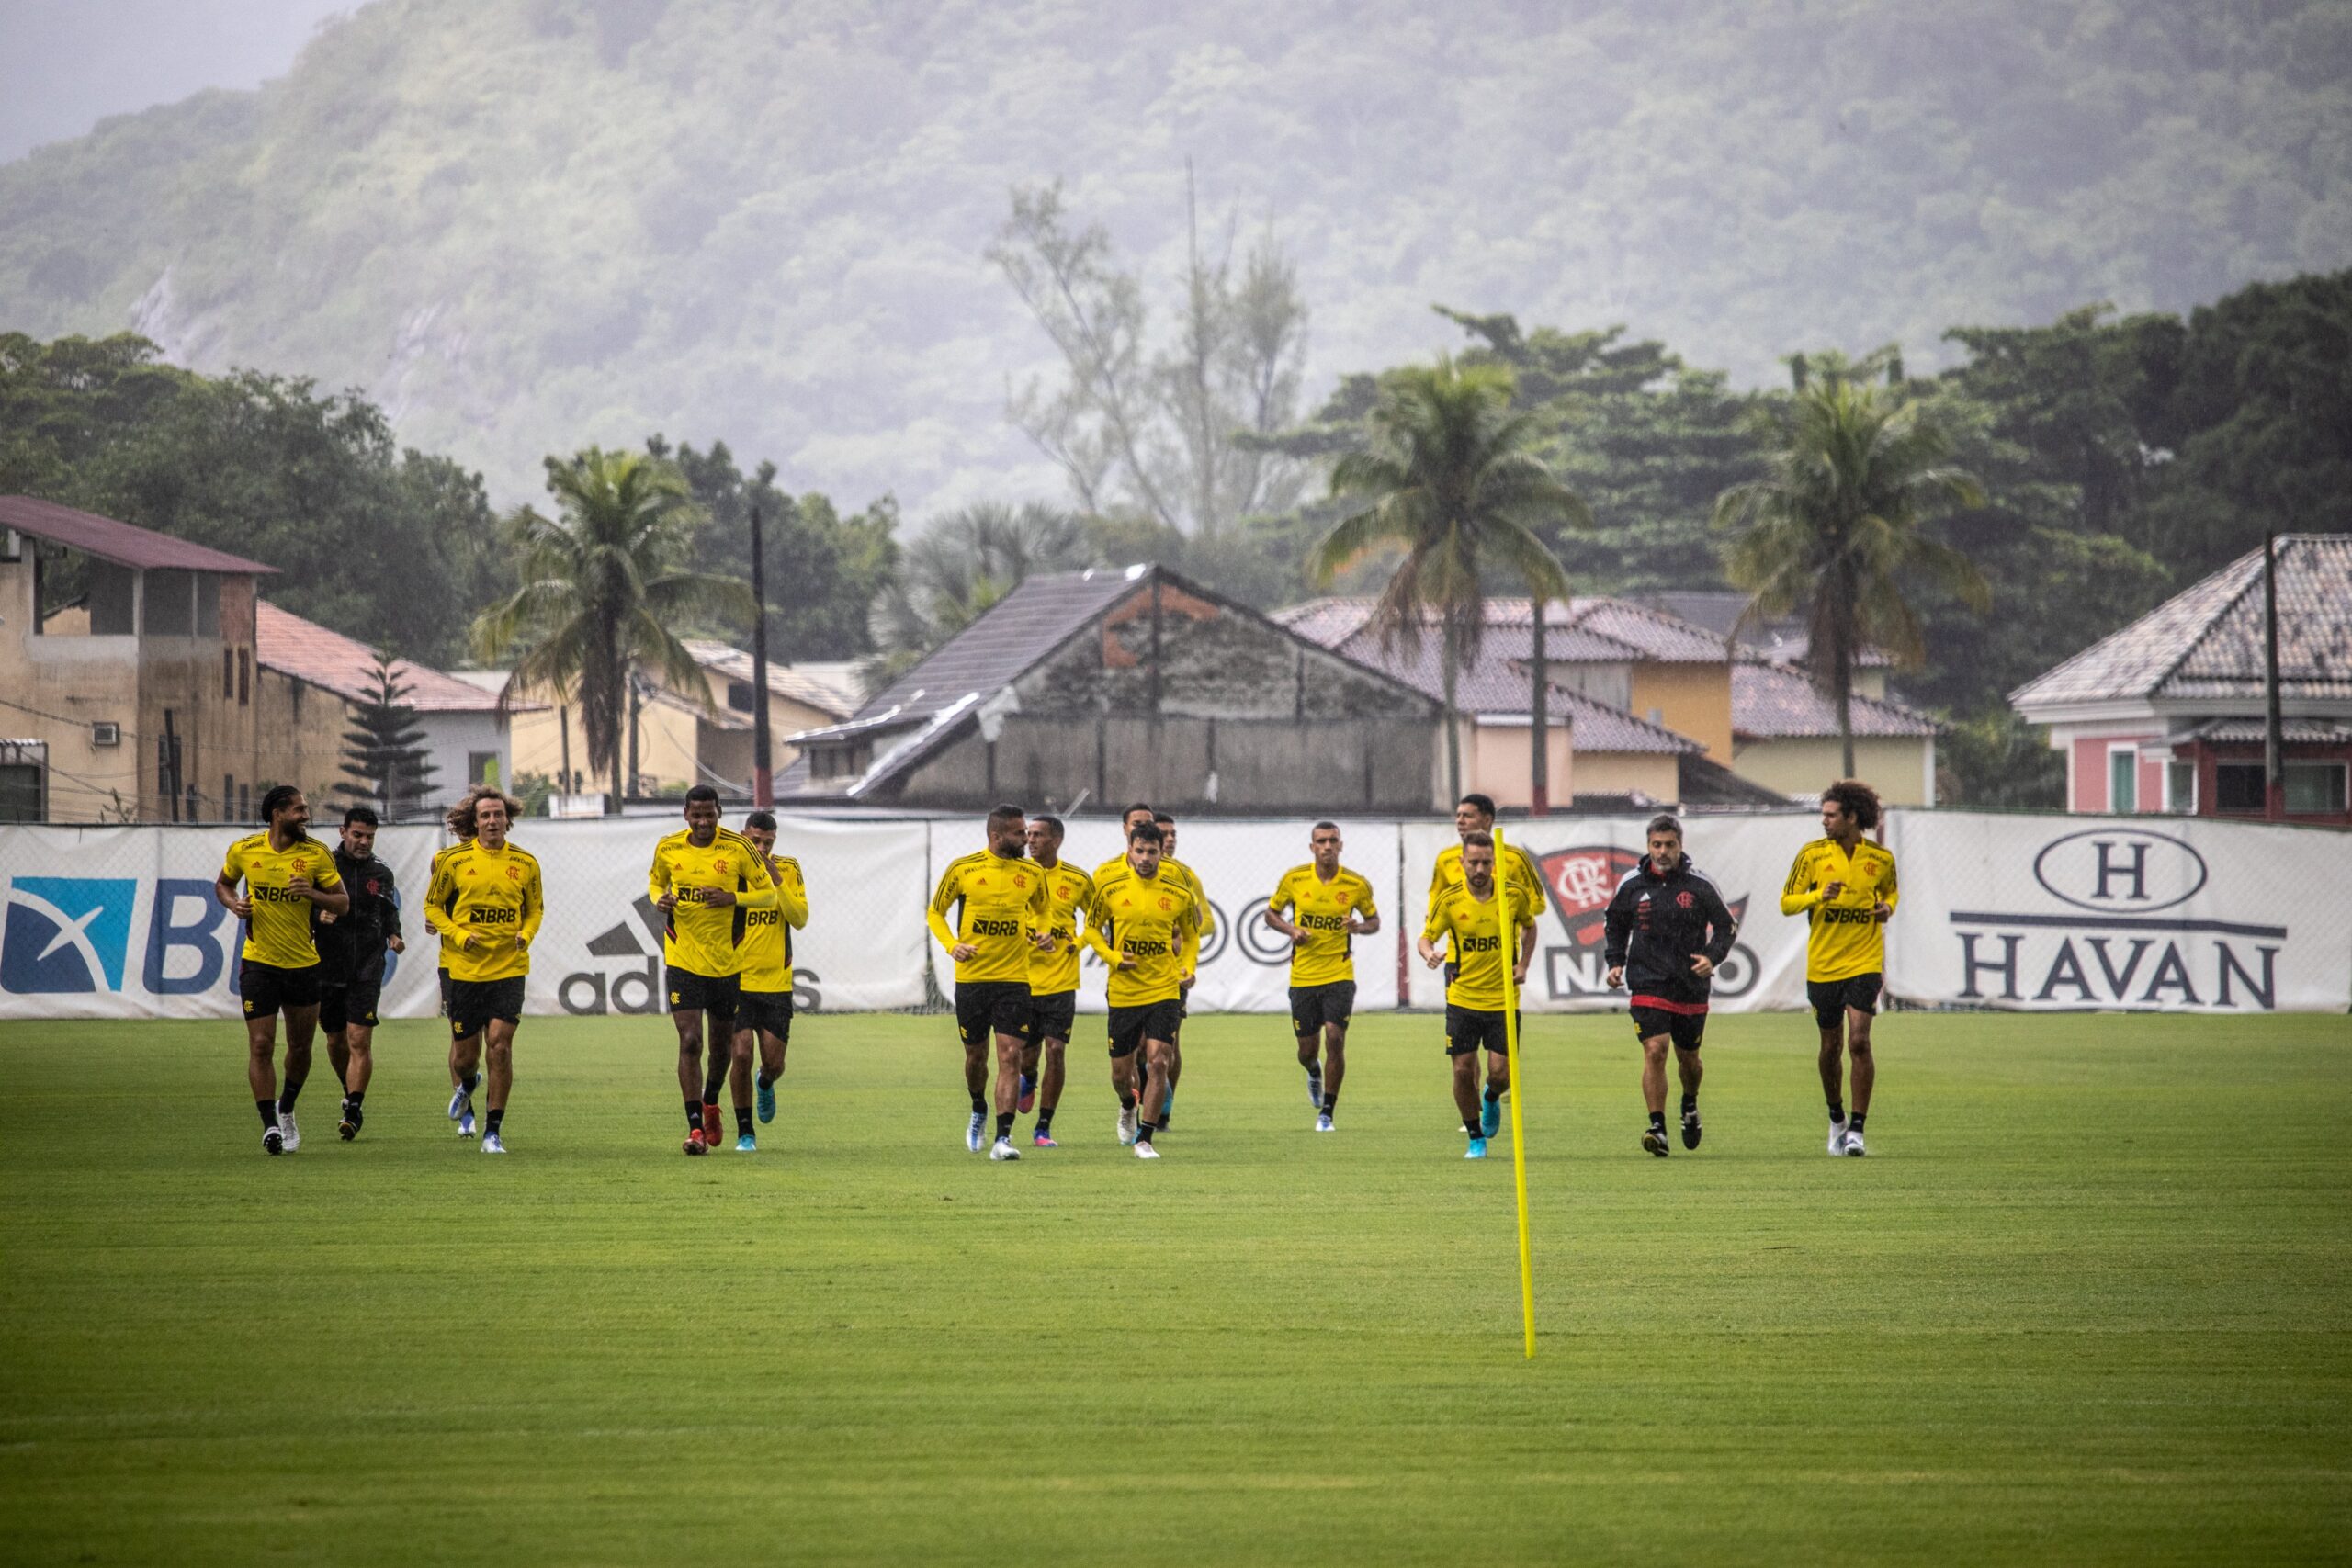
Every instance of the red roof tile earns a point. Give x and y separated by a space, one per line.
287 643
124 544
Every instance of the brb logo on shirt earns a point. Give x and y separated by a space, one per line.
66 934
1581 881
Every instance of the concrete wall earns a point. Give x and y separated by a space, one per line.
1693 700
1901 769
1499 760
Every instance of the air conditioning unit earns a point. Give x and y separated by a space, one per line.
106 734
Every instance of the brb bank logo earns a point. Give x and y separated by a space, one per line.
67 935
1581 881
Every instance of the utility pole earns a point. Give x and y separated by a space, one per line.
1540 764
763 778
2274 728
636 704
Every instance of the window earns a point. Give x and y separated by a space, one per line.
2237 786
738 696
19 792
171 603
2316 788
246 802
2124 777
245 681
481 767
228 674
2180 788
229 812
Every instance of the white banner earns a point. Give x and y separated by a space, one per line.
2049 911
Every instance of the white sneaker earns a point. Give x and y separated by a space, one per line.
975 1136
458 1103
1323 1122
273 1142
1003 1149
466 1125
1837 1137
293 1134
1145 1151
1127 1125
492 1145
1854 1144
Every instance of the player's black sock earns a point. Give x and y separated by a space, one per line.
1837 1110
355 1096
1045 1120
1004 1123
268 1109
742 1120
1658 1120
1331 1099
470 1082
767 1078
1856 1122
980 1105
1126 1102
1144 1130
1494 1092
286 1097
497 1115
1690 1103
1470 1125
694 1113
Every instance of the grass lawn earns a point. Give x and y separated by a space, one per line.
2087 1302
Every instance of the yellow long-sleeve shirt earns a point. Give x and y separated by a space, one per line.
707 939
492 898
767 932
1153 920
1004 903
1846 937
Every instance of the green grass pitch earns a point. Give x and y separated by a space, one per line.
2087 1302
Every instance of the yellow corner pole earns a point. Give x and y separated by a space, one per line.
1518 1088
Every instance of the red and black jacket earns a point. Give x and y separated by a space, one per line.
1657 924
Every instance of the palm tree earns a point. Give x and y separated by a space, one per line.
601 589
1449 477
957 571
1834 528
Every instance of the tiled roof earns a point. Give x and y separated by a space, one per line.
1495 683
1327 623
287 643
1773 702
2244 731
1610 629
125 544
2207 641
1781 638
803 684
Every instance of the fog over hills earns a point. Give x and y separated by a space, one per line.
524 225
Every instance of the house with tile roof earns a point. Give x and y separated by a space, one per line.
1134 684
1785 737
2168 715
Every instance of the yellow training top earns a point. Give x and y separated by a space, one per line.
1005 901
1322 910
703 939
1479 952
434 876
1526 882
1846 939
1175 871
1153 920
1068 891
766 946
278 932
494 898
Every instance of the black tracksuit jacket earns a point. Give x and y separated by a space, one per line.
1657 924
354 945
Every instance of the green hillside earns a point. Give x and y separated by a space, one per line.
521 225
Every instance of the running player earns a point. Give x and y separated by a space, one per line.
1845 887
1170 866
1469 914
1330 906
486 898
287 874
1668 928
1476 814
1006 912
1146 928
693 880
351 952
763 1009
459 820
1053 977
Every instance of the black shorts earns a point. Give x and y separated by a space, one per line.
1473 1029
1051 1017
445 993
1130 1027
474 1003
714 994
1830 998
769 1012
268 989
1686 1029
1312 1006
345 1002
991 1007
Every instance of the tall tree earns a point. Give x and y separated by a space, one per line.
1834 528
1449 477
1174 437
960 568
602 589
383 751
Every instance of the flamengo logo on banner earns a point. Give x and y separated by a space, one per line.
2124 879
1581 881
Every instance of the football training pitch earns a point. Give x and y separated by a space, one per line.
2086 1302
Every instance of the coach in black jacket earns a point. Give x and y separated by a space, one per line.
1668 929
351 955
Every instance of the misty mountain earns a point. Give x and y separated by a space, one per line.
524 225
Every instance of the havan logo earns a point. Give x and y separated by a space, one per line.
2124 950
